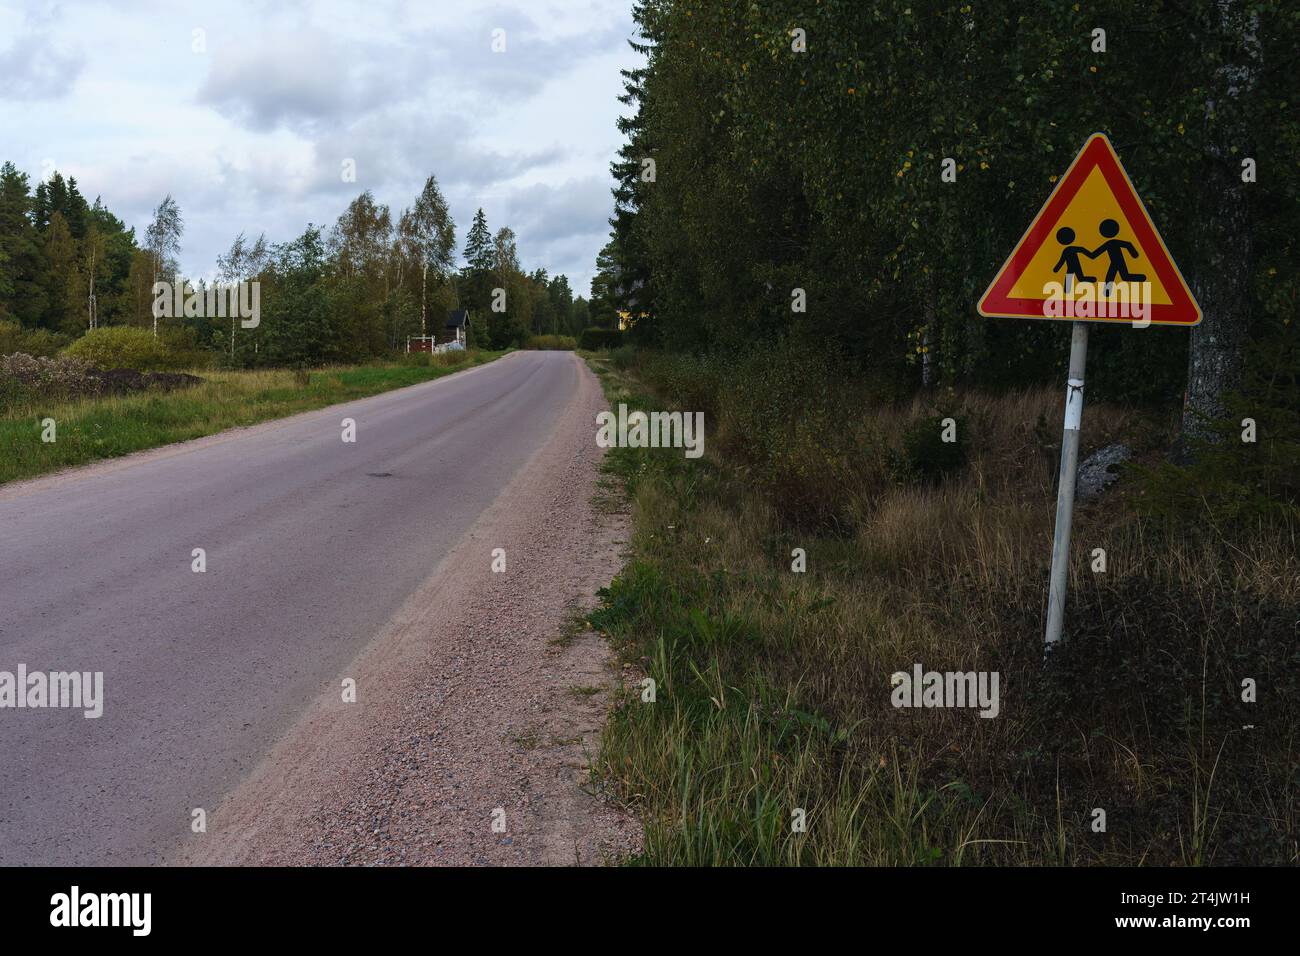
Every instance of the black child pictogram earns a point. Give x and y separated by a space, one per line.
1070 256
1115 248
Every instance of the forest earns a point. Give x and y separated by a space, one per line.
790 146
347 293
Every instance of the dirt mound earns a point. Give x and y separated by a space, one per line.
28 378
123 381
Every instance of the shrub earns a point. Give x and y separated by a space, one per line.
925 457
477 336
558 343
785 416
1228 479
623 357
123 346
692 381
183 350
594 339
41 343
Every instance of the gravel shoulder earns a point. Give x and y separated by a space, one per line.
477 707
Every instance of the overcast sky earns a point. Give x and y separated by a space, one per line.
249 123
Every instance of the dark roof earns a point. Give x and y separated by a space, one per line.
457 318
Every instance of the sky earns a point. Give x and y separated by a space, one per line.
250 114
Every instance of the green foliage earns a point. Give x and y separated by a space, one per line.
1230 479
477 335
566 343
350 293
593 338
820 170
779 414
54 250
623 357
39 342
121 346
925 456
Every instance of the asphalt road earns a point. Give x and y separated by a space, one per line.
311 544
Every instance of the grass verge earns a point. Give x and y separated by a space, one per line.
772 737
92 429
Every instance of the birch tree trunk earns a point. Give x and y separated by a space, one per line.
928 336
424 287
1216 355
152 309
90 298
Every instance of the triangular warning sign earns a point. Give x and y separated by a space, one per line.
1092 254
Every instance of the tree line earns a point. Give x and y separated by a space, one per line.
351 292
790 146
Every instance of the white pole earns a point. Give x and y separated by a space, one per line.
1065 493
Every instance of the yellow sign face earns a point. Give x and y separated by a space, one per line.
1092 254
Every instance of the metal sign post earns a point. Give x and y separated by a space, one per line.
1093 220
1065 493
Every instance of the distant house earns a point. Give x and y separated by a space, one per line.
456 335
626 319
458 326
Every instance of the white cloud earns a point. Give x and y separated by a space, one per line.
34 66
249 135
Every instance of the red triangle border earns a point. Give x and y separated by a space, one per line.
1097 153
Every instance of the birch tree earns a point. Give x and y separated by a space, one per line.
91 264
244 261
163 241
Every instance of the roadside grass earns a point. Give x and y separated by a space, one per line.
773 688
108 427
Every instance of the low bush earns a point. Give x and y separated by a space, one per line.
1247 466
932 448
786 417
595 339
556 343
623 357
41 343
124 346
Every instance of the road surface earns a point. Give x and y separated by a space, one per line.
311 545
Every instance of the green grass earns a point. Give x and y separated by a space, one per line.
94 429
773 687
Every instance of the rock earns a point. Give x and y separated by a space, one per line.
1097 471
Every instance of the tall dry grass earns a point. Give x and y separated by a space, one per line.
773 687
